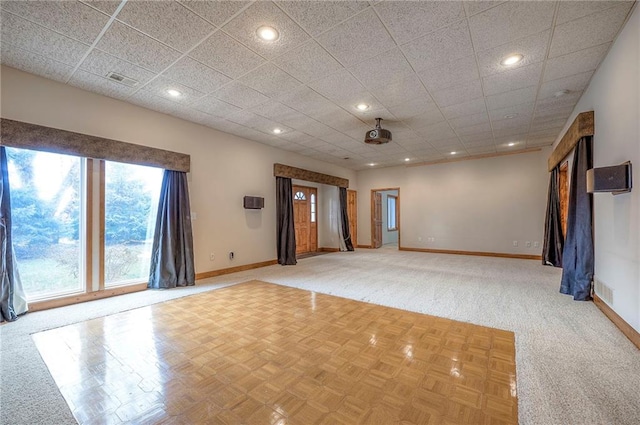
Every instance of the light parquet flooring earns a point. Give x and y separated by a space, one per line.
260 353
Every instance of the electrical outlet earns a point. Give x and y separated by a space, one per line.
212 256
515 243
231 255
528 244
536 244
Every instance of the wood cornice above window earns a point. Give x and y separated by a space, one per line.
23 135
582 126
281 170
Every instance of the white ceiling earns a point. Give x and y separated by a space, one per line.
430 69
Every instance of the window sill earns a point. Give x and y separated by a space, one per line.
80 298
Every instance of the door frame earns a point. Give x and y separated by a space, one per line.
373 206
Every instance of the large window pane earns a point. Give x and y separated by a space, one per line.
46 212
131 202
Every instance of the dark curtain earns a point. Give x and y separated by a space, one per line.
284 214
577 257
553 237
7 284
172 253
344 218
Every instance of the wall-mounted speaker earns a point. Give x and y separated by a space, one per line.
616 179
253 202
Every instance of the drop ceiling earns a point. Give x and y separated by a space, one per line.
431 70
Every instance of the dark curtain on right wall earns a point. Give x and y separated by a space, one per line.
553 237
284 215
577 256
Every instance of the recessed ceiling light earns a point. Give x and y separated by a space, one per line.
277 130
511 60
511 144
372 164
173 92
454 152
407 159
362 106
560 93
267 33
509 116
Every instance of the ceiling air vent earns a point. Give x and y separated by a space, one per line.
378 135
130 82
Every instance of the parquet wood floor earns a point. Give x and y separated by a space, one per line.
260 353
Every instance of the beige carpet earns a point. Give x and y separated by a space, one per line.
573 365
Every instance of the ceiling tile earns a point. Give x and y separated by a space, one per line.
275 111
481 150
510 21
400 91
423 120
106 6
474 129
244 26
410 20
160 85
513 79
306 101
522 110
573 83
35 64
575 63
521 122
240 95
226 55
101 63
148 100
338 86
533 48
249 119
308 62
269 80
192 73
71 18
437 132
135 47
357 39
460 93
97 84
317 16
475 106
475 7
213 106
216 12
166 21
552 102
450 73
413 107
570 10
441 46
382 69
511 98
339 119
592 30
30 37
483 138
470 120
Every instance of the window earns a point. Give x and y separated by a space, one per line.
300 196
47 221
313 208
392 213
131 203
55 213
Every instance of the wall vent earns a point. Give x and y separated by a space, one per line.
603 291
121 79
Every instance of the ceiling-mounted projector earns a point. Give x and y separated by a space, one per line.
378 135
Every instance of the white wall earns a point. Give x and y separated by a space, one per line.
224 168
478 205
387 236
614 95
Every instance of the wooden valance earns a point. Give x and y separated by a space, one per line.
32 136
281 170
582 126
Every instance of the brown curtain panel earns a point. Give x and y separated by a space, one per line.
578 256
286 244
553 243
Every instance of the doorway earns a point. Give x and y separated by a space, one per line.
305 218
385 218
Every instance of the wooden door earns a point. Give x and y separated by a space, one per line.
352 211
376 234
305 218
563 189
